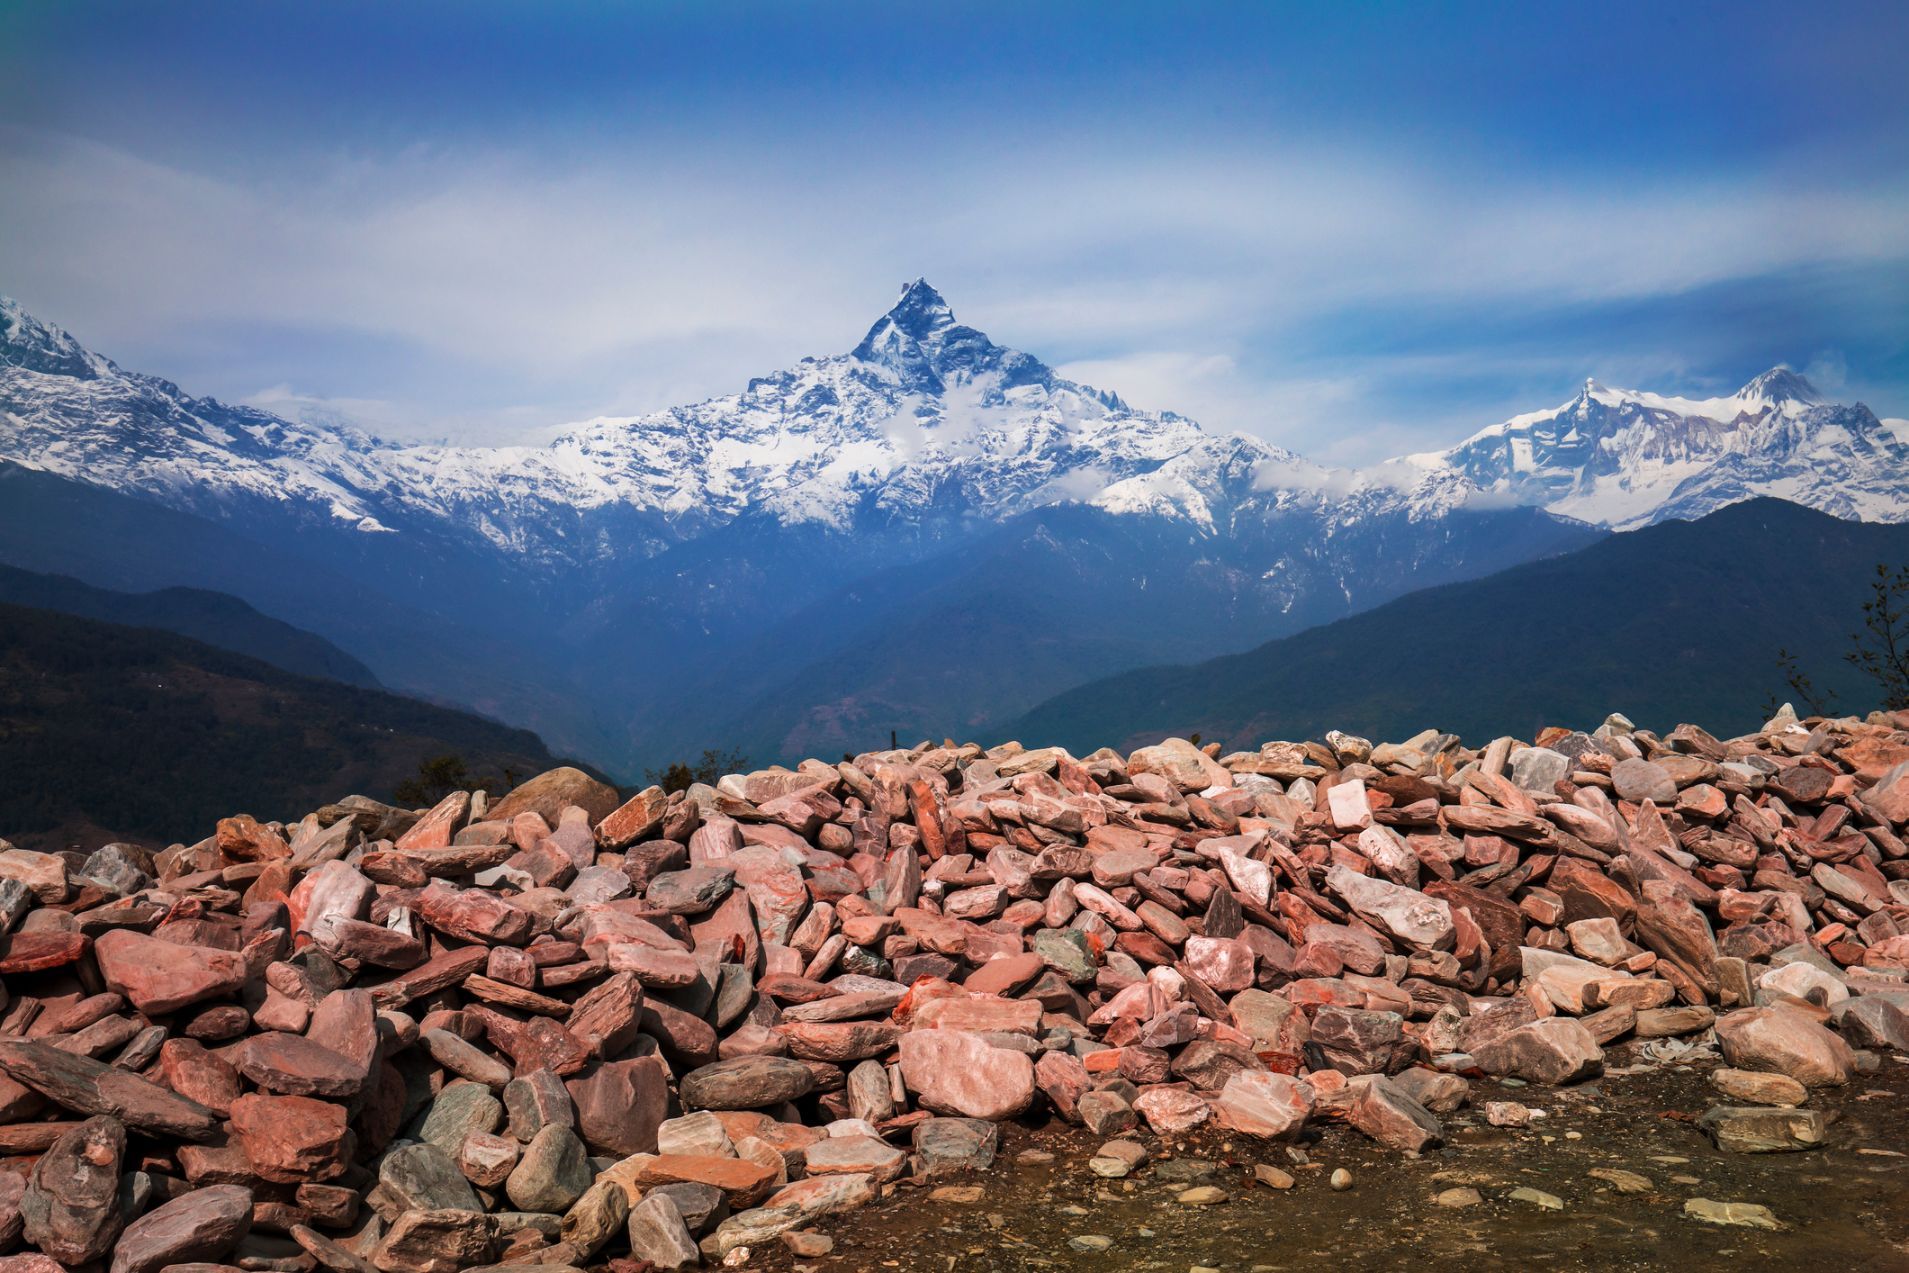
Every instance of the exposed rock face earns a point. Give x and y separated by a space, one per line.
841 975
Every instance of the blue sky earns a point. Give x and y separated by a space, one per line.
1352 229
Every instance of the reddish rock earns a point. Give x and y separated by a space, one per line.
1784 1040
475 915
839 1042
195 1228
1552 1050
39 952
1356 1041
159 977
1261 1103
290 1139
198 1075
292 1065
87 1086
243 838
438 825
1388 1114
1006 975
635 819
743 1183
606 1018
1170 1111
620 1104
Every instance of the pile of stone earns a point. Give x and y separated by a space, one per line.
564 1028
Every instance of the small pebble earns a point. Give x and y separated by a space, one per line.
1202 1196
1272 1177
1538 1198
1341 1179
808 1243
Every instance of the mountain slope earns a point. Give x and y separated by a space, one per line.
1061 595
54 525
1677 622
211 617
113 732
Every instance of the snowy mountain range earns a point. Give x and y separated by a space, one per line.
846 547
923 417
1623 459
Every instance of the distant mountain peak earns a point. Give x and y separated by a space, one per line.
1779 385
33 345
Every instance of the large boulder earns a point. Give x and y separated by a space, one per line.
1553 1050
553 791
953 1072
1262 1103
1784 1040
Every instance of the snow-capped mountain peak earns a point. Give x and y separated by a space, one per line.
920 313
1778 387
32 345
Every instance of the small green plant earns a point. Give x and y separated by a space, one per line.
439 776
711 765
1880 651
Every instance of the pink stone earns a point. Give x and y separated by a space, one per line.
956 1073
1170 1110
1222 963
1261 1103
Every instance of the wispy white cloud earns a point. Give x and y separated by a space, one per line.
627 280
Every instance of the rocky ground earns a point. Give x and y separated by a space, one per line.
1601 998
1619 1161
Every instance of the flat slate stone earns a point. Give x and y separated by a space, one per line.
87 1086
747 1082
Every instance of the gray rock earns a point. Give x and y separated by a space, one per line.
535 1101
701 1206
1747 1215
553 1173
658 1234
948 1145
1640 780
456 1112
422 1177
1436 1090
869 1095
1764 1129
71 1204
597 1217
116 868
1539 769
692 891
746 1082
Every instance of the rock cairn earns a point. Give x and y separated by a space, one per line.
565 1028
